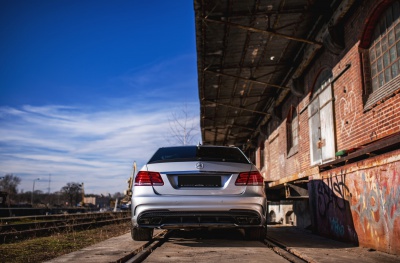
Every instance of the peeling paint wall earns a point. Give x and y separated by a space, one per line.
360 203
375 206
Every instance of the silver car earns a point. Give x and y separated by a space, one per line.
188 187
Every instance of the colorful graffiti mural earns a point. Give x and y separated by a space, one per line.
333 214
376 206
361 206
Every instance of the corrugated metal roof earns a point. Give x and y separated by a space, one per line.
250 54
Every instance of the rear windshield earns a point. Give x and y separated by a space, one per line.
197 153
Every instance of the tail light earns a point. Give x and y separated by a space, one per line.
250 178
144 178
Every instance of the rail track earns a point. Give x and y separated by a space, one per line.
286 252
19 228
151 248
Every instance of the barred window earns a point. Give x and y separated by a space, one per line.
380 53
384 52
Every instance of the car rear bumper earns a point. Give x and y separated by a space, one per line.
158 212
192 219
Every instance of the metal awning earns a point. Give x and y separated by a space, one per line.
251 55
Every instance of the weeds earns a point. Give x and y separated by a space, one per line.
46 248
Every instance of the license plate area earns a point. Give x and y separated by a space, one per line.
199 181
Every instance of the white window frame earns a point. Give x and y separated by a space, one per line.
321 125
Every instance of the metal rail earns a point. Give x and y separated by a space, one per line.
144 251
25 227
286 252
141 253
38 218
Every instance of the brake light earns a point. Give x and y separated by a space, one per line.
250 178
144 178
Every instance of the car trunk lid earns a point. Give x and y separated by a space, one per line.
199 178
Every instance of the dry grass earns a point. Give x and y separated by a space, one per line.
46 248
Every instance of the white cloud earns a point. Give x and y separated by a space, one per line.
96 143
79 144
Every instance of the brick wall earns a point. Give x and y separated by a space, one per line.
275 155
353 127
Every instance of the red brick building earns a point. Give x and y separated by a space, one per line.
328 144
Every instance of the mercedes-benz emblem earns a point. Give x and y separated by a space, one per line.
199 165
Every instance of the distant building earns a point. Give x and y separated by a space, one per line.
97 201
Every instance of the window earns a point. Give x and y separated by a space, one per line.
380 50
321 124
198 153
385 48
292 132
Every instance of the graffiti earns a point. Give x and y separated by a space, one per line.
333 207
352 233
360 204
331 194
347 112
336 227
377 203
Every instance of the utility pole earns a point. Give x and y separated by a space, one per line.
83 195
33 189
49 184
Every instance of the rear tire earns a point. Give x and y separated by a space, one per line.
255 233
142 234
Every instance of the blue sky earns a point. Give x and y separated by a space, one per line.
88 87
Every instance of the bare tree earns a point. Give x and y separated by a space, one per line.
73 191
183 127
8 185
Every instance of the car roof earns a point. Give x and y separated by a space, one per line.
207 145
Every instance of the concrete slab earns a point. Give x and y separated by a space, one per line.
316 248
301 242
205 251
109 250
